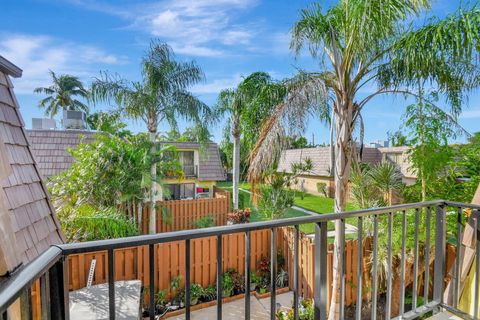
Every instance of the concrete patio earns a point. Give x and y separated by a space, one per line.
260 309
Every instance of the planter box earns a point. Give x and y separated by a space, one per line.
206 305
267 294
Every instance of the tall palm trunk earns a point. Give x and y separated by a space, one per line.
236 169
422 139
343 156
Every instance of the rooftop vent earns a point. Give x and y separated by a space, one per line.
43 124
74 120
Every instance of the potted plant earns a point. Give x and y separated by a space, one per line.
209 293
227 285
255 279
196 292
282 278
175 285
239 216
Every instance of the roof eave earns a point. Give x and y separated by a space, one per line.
9 68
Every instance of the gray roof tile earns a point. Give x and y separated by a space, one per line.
33 219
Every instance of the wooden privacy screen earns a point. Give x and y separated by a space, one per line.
175 215
132 263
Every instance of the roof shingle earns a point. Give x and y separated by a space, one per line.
33 218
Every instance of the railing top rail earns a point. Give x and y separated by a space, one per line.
12 288
72 248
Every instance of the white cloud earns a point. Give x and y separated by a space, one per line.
37 54
198 27
471 114
218 85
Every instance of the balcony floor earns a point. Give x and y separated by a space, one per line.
260 309
444 316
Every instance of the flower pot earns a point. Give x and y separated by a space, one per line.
193 301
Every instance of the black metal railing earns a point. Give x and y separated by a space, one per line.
52 269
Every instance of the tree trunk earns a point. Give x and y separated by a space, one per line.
236 167
422 139
343 161
152 223
332 147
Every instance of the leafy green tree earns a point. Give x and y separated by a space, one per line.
108 122
239 103
277 196
360 43
430 131
397 139
111 172
161 96
297 142
61 95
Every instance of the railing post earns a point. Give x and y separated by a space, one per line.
59 286
440 242
320 285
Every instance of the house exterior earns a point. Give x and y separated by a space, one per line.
28 225
201 164
202 169
321 181
399 156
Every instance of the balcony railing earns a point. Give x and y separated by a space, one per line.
52 269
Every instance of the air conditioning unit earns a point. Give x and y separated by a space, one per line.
43 124
76 120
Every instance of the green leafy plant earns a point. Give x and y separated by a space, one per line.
227 285
196 291
175 284
87 223
322 188
282 278
160 297
209 293
205 222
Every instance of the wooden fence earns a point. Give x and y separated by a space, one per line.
132 263
174 215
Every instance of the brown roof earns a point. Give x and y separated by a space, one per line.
33 218
50 148
210 165
320 157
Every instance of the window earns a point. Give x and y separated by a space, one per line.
179 191
187 160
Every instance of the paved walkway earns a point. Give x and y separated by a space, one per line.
235 310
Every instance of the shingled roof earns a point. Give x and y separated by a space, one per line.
320 157
50 148
210 165
33 219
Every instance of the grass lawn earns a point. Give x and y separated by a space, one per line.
310 202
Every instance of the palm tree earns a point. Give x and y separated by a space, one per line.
387 178
161 96
236 102
365 43
61 95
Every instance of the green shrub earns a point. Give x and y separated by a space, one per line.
86 223
322 188
205 222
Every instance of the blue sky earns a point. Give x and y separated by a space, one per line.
228 39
